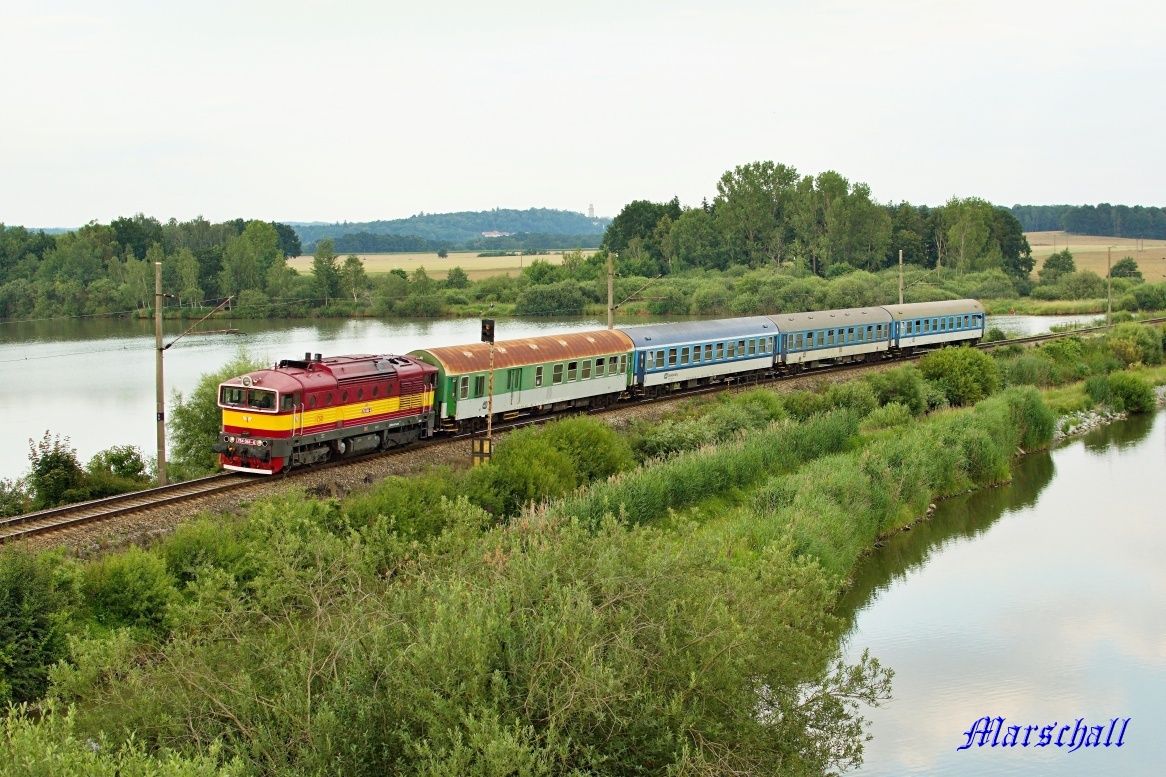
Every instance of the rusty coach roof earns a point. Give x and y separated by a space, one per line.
475 357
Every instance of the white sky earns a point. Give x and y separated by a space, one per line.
362 110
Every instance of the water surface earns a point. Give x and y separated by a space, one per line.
1040 601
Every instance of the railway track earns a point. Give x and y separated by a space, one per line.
68 516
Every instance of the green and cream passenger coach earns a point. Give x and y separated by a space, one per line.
579 369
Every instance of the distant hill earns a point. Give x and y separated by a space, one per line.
461 228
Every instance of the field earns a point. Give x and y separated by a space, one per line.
476 267
1089 252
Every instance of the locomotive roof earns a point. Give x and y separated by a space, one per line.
475 357
652 335
953 307
828 319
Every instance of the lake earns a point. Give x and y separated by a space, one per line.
1042 601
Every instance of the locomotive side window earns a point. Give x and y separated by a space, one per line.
360 393
376 390
344 395
312 401
287 403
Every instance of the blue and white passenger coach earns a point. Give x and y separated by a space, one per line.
838 335
697 352
925 324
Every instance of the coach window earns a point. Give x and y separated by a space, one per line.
684 355
671 357
572 370
464 388
557 375
600 363
613 367
479 385
696 354
659 358
830 337
720 350
586 372
752 347
623 363
538 376
732 353
708 352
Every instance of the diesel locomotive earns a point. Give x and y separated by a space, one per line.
302 412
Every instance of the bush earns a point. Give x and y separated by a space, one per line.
1130 393
131 588
904 386
55 476
995 335
34 601
196 421
1135 344
964 375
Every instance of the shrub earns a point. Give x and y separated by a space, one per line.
131 588
33 616
904 386
1130 392
55 475
1136 343
595 449
965 375
995 335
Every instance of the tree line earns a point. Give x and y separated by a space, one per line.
370 242
1104 219
766 213
102 268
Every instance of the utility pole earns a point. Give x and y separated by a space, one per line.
1109 285
160 393
610 290
900 276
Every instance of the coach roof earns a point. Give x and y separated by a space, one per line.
654 335
831 319
475 357
953 307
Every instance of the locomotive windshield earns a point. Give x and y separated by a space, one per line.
256 398
231 395
261 399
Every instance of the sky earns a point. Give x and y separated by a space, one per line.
325 111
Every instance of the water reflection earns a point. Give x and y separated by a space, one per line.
962 517
1040 601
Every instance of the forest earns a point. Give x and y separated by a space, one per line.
1103 219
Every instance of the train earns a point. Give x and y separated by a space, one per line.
307 411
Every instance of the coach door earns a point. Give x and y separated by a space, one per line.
514 386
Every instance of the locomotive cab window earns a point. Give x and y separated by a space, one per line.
230 395
261 399
287 403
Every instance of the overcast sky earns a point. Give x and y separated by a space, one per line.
362 110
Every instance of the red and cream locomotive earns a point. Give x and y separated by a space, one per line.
305 412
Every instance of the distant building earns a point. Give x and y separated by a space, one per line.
591 211
496 233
